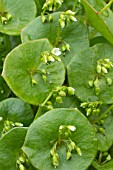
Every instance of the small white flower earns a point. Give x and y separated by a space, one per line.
56 51
72 128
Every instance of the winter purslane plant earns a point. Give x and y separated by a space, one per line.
56 85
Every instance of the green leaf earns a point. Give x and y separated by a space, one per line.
82 69
10 148
21 13
43 130
75 34
4 89
101 24
15 110
21 72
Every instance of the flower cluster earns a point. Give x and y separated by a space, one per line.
5 17
92 107
66 17
102 69
23 162
9 125
48 57
64 133
51 5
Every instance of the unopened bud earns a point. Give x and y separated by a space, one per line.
55 160
89 110
104 70
44 78
78 151
59 99
91 82
68 155
98 68
62 94
72 18
109 81
71 91
97 91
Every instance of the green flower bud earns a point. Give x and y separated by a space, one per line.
44 78
71 128
97 91
59 99
104 70
107 66
72 145
55 160
67 47
49 107
108 158
18 124
78 151
62 23
63 48
34 81
43 18
84 105
8 16
97 82
50 18
68 155
89 110
52 152
43 71
4 20
50 58
109 81
62 94
72 18
98 68
102 130
57 58
49 103
71 91
21 167
22 159
91 82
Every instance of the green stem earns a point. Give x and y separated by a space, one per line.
49 96
103 115
107 6
39 109
2 6
58 36
75 4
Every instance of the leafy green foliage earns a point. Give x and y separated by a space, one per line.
56 85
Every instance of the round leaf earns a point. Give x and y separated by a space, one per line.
10 147
22 67
21 13
37 144
82 69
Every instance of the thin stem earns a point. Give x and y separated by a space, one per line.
75 4
39 109
103 115
49 96
58 36
2 6
107 6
